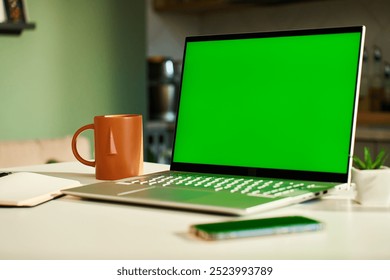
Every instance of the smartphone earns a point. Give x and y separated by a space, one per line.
256 227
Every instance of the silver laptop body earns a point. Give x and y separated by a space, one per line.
264 120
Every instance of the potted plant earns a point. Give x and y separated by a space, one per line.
372 179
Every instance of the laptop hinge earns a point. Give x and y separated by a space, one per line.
252 172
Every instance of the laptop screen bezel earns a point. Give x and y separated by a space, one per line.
265 172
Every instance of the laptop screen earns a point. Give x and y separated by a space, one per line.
278 103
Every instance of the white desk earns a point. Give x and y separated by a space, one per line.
72 228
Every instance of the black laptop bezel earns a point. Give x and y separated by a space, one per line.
265 172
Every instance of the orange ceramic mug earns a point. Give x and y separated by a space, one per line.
118 146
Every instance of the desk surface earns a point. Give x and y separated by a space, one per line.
73 228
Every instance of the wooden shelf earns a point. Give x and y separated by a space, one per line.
373 118
10 28
189 6
200 6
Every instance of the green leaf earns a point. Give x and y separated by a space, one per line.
380 160
359 163
367 158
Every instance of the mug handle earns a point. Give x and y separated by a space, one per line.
74 145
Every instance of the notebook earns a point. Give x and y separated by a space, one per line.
264 120
31 189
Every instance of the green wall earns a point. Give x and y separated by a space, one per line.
84 58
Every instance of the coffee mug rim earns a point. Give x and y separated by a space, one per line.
113 116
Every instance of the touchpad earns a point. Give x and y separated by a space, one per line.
165 194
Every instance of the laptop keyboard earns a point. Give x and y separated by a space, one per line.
260 187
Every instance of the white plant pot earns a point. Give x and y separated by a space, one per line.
372 186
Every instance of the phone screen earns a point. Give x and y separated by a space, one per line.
255 227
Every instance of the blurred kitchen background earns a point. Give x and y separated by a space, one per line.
84 58
169 21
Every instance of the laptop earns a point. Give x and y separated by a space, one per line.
264 120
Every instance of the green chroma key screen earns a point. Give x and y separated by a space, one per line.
278 102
